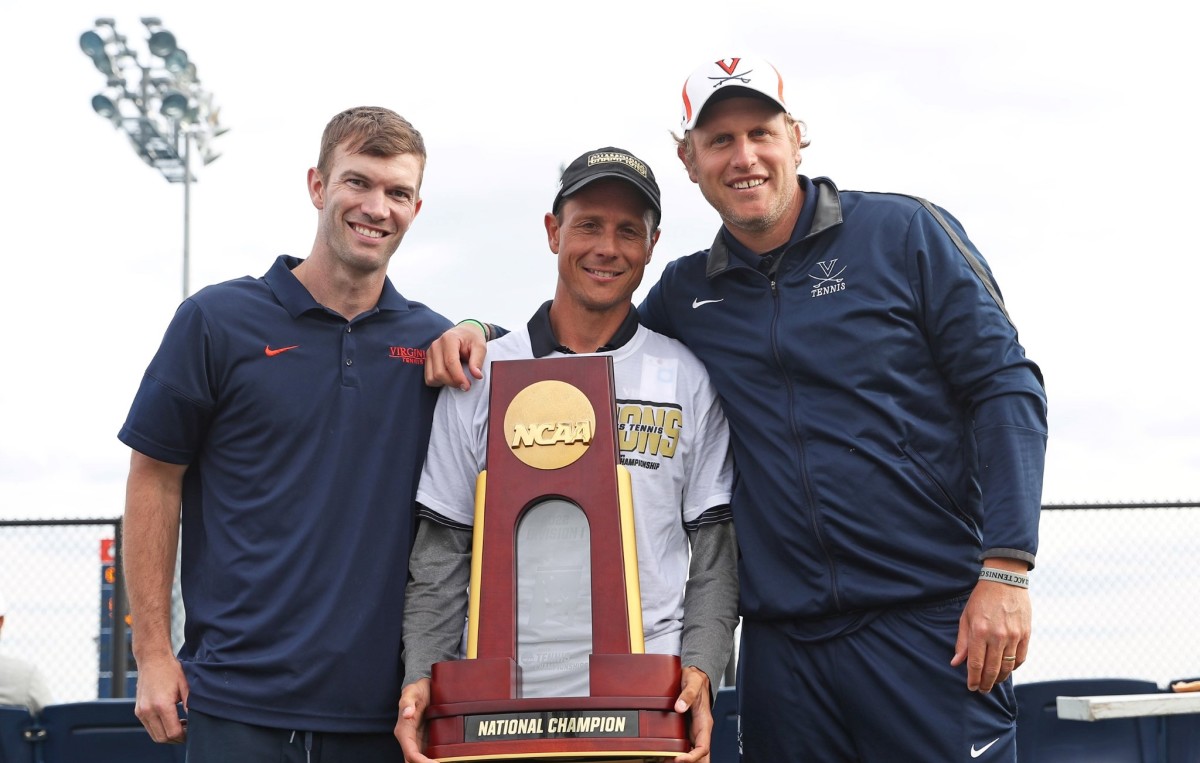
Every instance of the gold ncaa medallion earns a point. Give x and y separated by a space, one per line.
549 424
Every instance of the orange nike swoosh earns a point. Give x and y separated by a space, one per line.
272 353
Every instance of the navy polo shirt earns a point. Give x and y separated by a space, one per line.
304 434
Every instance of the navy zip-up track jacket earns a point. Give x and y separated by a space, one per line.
887 428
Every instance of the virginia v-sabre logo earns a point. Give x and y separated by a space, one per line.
830 279
730 67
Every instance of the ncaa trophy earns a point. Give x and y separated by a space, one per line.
552 448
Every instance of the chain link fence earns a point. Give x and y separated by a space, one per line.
1116 593
63 588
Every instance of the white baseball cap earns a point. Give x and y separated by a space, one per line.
755 76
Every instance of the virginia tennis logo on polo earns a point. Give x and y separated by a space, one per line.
407 354
829 281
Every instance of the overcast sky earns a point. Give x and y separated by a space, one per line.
1060 134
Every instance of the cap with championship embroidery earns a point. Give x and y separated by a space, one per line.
608 162
729 77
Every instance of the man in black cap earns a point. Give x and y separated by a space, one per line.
603 226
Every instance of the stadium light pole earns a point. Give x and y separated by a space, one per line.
156 99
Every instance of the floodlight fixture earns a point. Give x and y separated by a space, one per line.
157 101
92 43
161 43
95 47
104 106
161 89
176 61
174 105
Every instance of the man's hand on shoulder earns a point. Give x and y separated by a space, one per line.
465 343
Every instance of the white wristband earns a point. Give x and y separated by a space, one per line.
1004 576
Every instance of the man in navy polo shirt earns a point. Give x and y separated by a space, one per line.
287 415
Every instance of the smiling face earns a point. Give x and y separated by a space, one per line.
604 238
744 157
365 206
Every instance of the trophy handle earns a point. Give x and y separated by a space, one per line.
476 567
633 586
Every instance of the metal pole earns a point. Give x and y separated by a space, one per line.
120 663
187 206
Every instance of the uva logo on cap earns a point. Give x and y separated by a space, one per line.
731 68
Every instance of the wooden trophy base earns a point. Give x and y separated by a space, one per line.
628 717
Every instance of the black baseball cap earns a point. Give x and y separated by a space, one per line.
609 162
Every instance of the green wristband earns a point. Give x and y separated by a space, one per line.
482 328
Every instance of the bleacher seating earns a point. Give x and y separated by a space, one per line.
1042 737
15 723
725 726
1182 735
106 731
100 731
